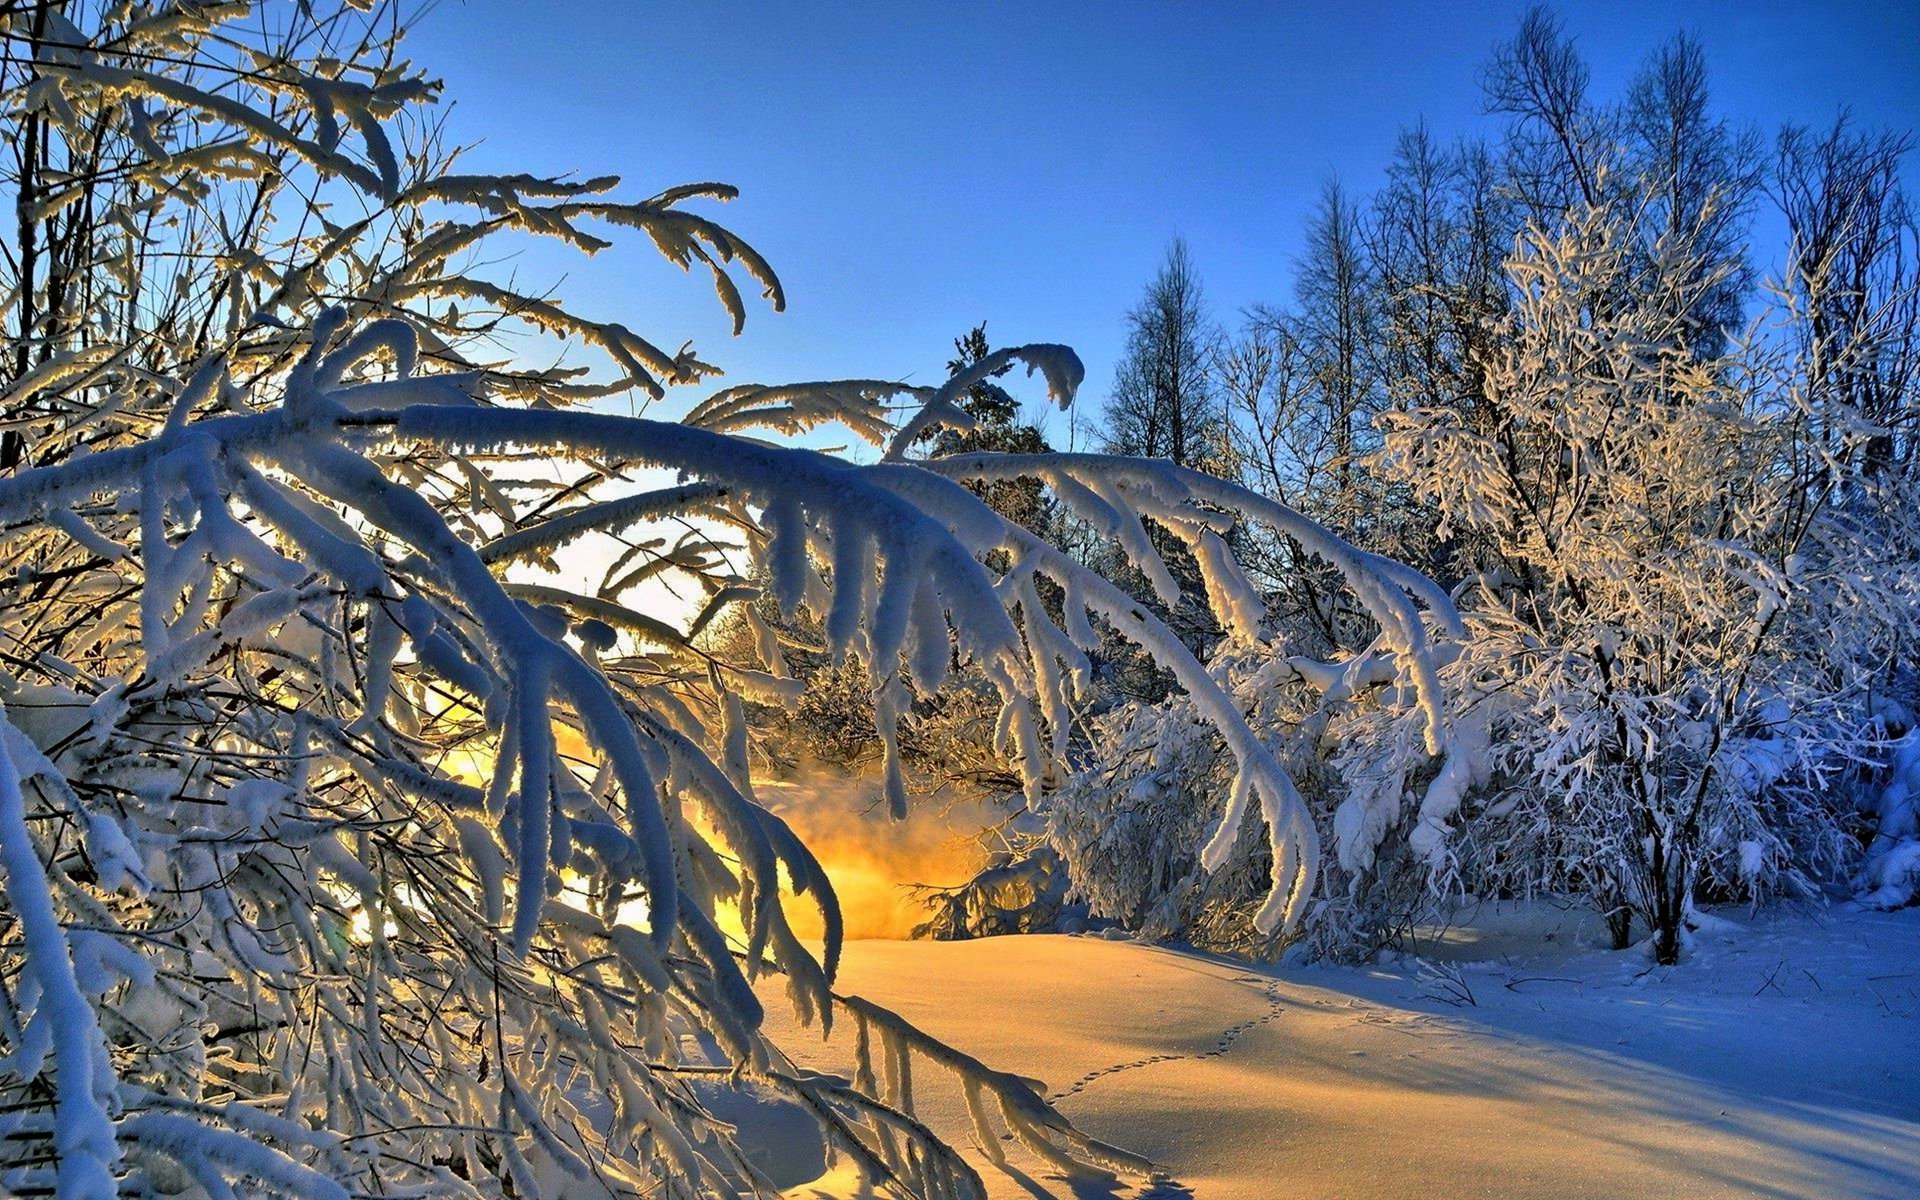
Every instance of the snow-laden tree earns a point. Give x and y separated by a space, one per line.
346 851
1684 603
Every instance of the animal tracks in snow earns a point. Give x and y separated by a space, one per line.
1222 1044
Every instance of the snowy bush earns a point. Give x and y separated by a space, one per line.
1127 827
946 737
1890 875
348 849
1023 893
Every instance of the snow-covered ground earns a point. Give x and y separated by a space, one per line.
1513 1059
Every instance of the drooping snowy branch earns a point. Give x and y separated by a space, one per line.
357 855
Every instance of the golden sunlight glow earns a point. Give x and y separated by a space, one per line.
871 858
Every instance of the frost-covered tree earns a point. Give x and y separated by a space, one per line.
1165 404
1670 633
1698 175
1689 176
1436 245
348 849
1854 285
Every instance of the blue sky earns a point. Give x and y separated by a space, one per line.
913 168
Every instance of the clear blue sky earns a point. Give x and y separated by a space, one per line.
912 168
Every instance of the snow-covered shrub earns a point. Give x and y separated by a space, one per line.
1023 893
1890 875
1350 735
349 848
1130 829
1407 608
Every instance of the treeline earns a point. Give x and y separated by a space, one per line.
1401 298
